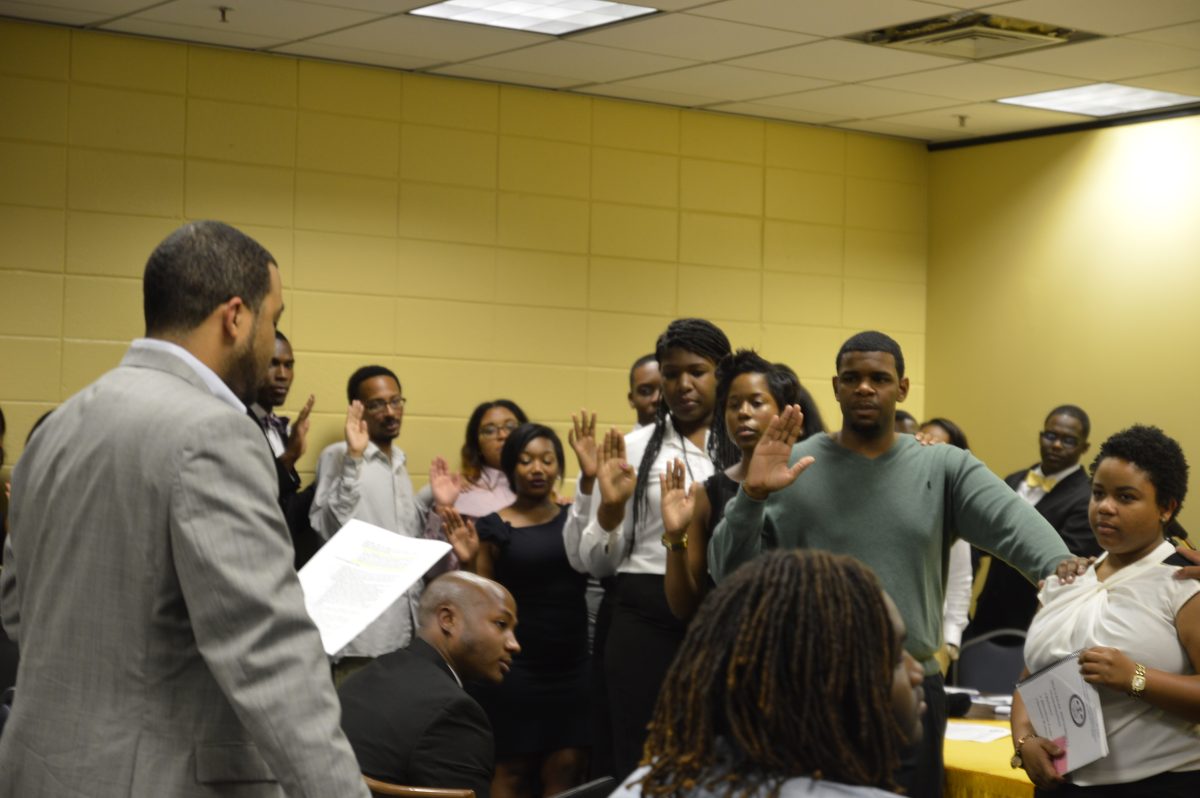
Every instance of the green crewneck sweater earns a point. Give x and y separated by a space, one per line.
898 513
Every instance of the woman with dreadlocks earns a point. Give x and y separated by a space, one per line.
618 529
792 681
750 392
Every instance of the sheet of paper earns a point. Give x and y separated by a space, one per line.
975 732
358 574
1066 709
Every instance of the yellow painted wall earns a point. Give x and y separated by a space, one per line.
482 240
1067 270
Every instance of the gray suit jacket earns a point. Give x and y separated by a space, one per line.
165 649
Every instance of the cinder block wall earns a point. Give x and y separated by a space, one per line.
482 240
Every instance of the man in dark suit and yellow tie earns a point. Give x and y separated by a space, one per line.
1059 488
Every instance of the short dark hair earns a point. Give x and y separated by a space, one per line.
957 436
1076 412
281 337
196 269
3 429
365 373
1158 456
904 415
521 437
872 341
637 364
472 455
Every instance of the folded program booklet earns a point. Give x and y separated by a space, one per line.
1066 710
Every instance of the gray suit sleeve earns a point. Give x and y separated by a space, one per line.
234 564
10 595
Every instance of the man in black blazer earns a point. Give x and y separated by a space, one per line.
1059 488
406 714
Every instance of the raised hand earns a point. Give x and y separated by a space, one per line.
297 441
461 534
617 478
582 438
356 430
678 502
445 484
769 470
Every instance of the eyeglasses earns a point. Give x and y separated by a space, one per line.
492 431
377 405
1068 441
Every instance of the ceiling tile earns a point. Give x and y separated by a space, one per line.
987 119
776 112
1105 59
1179 35
977 82
276 20
847 62
584 63
647 95
354 55
1186 81
888 128
476 71
70 12
860 102
190 33
1102 16
721 82
687 36
436 39
379 7
824 19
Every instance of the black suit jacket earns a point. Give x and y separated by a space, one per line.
409 722
1008 600
295 504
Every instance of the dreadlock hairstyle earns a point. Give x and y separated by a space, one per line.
782 383
700 337
788 664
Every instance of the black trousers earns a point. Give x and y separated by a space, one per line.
641 644
1184 784
922 770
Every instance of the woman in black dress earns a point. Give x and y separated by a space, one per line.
539 714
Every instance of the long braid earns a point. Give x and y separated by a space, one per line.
700 337
789 662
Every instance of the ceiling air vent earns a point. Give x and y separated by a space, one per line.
972 36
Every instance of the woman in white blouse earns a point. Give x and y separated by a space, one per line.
618 528
1138 630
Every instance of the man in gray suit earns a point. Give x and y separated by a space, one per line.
148 576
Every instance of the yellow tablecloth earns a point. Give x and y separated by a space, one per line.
981 770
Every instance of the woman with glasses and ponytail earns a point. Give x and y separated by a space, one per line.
618 528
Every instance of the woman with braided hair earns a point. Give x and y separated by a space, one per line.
618 529
792 681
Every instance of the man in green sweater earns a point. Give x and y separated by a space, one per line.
893 504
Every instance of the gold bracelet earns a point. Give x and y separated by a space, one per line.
675 545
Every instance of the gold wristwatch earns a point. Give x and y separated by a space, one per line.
1016 760
1137 685
675 545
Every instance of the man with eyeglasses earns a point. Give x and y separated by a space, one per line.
364 477
1058 487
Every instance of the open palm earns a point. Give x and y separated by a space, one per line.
769 470
678 502
616 477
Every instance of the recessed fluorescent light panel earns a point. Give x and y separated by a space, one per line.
1101 99
553 17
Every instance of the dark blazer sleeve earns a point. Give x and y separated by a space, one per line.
456 750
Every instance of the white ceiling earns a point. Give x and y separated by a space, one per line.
780 59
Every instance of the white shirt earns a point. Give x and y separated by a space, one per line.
1034 495
958 593
592 549
277 444
799 787
379 491
1133 610
211 380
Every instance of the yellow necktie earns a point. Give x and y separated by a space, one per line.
1036 480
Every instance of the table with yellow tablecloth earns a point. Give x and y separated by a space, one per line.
982 770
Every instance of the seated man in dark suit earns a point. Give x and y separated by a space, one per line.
406 714
1059 488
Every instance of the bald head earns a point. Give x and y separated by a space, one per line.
470 620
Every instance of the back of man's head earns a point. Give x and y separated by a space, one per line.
197 268
872 341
